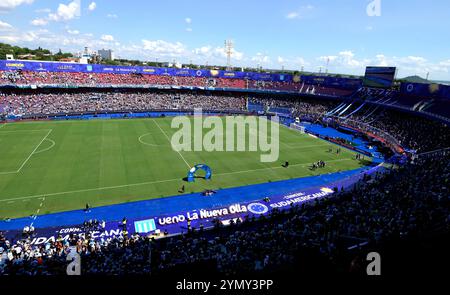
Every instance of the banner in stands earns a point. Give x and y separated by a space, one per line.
347 83
8 65
426 90
177 222
38 66
201 217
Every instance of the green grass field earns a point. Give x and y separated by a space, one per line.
56 166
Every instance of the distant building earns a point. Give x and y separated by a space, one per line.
70 59
106 54
85 56
26 56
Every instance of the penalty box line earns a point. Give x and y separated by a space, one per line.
157 181
32 153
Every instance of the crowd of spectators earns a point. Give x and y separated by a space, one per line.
64 103
305 109
413 132
411 201
133 79
136 79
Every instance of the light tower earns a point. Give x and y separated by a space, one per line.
328 63
229 51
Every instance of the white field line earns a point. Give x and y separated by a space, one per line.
23 164
187 164
298 146
32 153
146 143
154 182
279 167
271 138
38 211
151 144
31 130
46 149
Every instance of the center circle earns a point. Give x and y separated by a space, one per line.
141 140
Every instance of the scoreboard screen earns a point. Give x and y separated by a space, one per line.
381 77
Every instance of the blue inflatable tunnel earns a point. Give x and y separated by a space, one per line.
191 173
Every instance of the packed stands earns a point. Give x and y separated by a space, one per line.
407 203
64 103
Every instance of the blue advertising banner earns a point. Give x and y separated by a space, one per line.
425 90
349 83
38 66
177 222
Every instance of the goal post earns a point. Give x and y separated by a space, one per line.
297 127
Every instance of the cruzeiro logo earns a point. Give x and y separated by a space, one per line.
257 208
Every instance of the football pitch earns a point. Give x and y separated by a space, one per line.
53 166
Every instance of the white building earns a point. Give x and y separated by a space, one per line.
106 54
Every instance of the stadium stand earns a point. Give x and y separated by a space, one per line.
403 204
409 202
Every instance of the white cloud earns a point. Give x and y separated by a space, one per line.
347 58
19 37
445 63
10 4
164 48
63 13
215 55
43 10
66 12
235 55
39 22
202 50
111 15
299 61
415 59
330 58
381 60
73 32
188 21
5 26
107 38
261 58
344 59
92 6
347 62
292 15
300 13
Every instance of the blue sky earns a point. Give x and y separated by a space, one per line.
410 34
